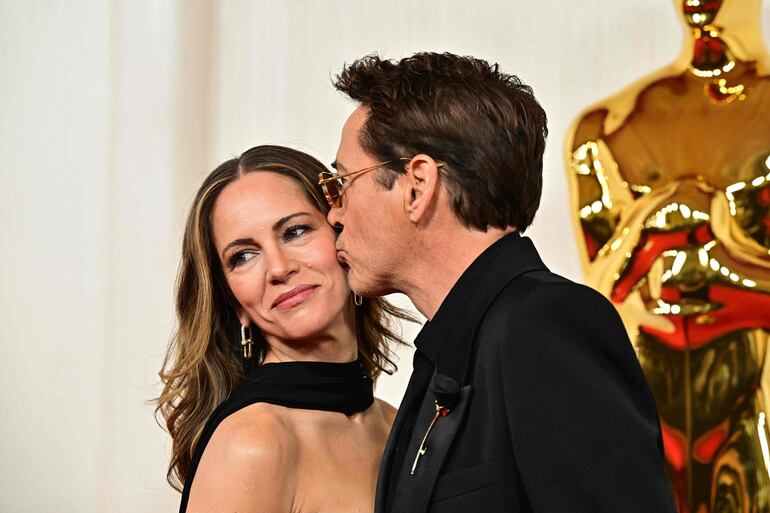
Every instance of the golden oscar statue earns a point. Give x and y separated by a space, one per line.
670 183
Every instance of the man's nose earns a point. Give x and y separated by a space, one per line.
335 217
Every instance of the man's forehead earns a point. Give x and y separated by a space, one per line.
349 141
359 115
354 123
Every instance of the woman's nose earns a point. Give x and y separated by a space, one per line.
280 267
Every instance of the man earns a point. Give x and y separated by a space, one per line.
526 394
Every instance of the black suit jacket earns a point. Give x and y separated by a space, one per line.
548 408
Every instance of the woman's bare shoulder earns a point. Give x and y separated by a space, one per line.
257 431
388 411
248 464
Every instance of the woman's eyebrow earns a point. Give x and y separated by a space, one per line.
276 227
237 242
282 221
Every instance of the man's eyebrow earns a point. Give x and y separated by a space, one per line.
339 167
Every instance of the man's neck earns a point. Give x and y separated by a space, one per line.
440 263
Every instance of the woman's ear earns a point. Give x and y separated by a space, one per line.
243 317
420 193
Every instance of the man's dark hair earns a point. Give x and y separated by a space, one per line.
485 125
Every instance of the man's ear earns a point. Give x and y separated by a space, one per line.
422 186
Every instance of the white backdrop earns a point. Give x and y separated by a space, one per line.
113 112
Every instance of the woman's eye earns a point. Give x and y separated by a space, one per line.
293 232
241 257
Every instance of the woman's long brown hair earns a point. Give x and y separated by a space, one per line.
204 363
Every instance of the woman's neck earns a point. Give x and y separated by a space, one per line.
315 351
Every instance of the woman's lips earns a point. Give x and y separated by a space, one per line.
294 297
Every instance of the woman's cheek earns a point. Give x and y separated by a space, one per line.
245 290
324 254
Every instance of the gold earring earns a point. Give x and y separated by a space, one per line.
246 341
358 300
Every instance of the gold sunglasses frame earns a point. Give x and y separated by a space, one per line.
327 176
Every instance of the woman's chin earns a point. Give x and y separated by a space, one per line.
306 329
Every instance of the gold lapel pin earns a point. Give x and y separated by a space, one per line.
441 411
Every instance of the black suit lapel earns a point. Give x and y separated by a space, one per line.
386 465
415 490
400 432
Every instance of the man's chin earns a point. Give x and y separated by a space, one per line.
362 287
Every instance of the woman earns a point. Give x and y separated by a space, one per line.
268 381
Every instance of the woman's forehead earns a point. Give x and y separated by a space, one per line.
255 201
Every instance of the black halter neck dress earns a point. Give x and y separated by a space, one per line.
335 387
